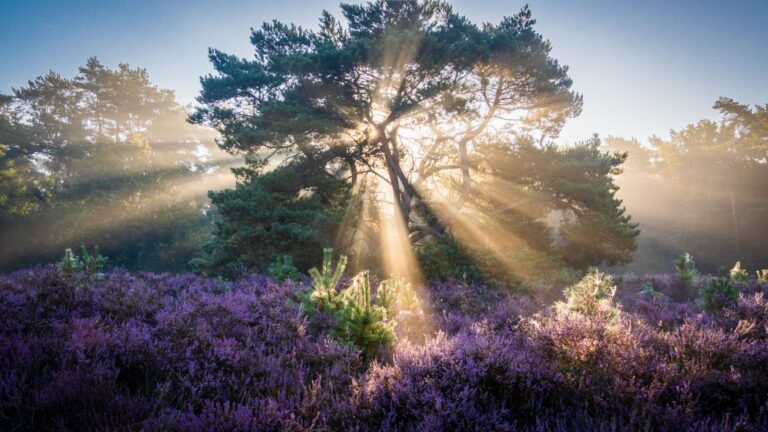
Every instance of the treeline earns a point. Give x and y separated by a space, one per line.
105 158
704 190
442 165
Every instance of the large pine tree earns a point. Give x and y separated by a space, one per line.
447 123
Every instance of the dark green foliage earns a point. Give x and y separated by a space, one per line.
92 263
360 319
322 296
651 294
69 263
282 269
22 186
441 260
283 212
717 293
686 272
532 188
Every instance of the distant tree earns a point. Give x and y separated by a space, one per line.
639 157
400 104
103 158
749 125
703 190
21 185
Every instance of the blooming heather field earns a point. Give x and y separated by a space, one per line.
156 352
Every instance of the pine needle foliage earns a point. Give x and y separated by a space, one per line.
362 323
361 319
90 264
762 276
738 274
651 294
398 296
686 271
69 263
322 295
592 296
282 269
717 293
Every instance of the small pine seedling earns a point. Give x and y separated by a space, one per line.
738 274
717 293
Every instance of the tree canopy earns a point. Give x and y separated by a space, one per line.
105 158
702 190
446 123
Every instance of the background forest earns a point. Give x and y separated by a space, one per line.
106 158
103 158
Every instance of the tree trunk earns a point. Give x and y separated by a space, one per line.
735 217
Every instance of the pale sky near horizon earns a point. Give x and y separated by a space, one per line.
643 66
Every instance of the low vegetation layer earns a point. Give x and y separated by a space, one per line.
91 351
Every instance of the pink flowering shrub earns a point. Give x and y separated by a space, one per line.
156 352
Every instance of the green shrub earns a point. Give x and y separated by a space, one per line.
687 274
441 260
592 296
70 263
322 295
362 323
360 320
283 269
651 294
397 296
738 274
761 276
90 264
717 293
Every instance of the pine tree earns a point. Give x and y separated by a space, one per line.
412 94
361 323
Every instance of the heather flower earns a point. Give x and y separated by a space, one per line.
159 352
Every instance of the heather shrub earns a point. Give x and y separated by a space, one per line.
109 354
748 317
475 380
717 293
592 296
158 352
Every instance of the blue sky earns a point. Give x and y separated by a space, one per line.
643 66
